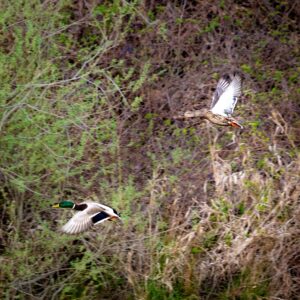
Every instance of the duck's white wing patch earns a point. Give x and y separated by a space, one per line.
222 85
80 222
227 100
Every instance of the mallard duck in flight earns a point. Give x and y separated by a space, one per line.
225 97
89 214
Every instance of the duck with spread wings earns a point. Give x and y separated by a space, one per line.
89 214
229 89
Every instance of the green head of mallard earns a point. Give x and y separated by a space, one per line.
64 204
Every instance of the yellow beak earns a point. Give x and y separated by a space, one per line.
56 205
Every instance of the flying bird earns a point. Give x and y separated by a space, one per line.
89 214
225 97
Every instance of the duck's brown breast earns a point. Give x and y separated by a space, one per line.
216 119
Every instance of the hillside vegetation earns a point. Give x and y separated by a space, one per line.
88 91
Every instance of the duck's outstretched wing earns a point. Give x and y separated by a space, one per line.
100 217
222 85
226 96
80 222
84 220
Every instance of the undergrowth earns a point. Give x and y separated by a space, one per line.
88 90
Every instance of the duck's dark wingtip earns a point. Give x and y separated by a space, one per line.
237 74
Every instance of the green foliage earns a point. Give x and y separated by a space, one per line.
242 288
86 101
178 155
247 69
212 25
210 240
158 292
